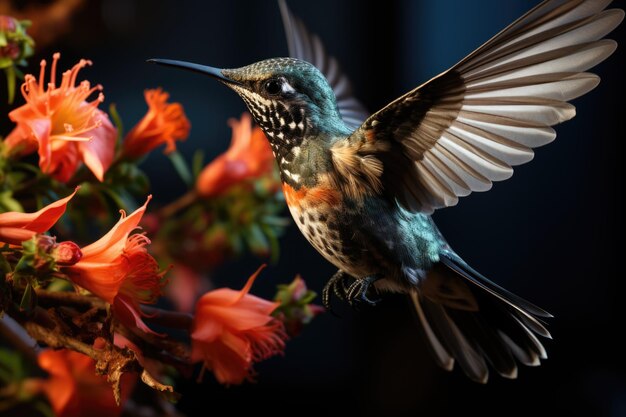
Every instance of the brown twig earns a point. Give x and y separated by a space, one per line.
175 206
110 360
58 340
171 319
155 346
70 298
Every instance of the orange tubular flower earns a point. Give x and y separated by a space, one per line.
164 123
232 330
74 389
118 269
249 156
16 228
59 123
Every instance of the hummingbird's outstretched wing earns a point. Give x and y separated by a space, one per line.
307 46
467 127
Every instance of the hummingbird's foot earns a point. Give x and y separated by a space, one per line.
337 285
357 292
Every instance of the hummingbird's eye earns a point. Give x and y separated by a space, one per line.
273 87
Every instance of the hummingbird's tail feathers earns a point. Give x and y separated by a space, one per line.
439 352
447 342
455 263
472 321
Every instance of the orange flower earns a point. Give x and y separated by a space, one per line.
16 228
118 269
74 389
62 125
232 330
164 123
249 156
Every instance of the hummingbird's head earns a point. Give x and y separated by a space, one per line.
289 99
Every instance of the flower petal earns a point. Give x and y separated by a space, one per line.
40 129
15 236
98 152
233 329
56 116
129 315
207 330
20 142
235 317
62 387
229 357
64 161
109 246
102 279
75 390
249 156
164 123
39 221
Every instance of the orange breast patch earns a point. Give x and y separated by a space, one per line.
306 197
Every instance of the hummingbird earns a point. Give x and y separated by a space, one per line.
362 187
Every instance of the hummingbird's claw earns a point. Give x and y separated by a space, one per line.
357 292
336 284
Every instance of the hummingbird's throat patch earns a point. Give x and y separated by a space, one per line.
284 127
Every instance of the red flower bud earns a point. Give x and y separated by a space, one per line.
11 51
67 253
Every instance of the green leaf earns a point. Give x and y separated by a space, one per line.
44 408
59 285
24 266
129 201
8 203
5 63
118 201
117 121
3 39
309 297
11 366
29 299
10 73
181 168
274 243
197 163
18 73
257 240
5 268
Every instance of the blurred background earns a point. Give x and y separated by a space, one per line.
552 233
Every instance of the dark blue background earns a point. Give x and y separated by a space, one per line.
552 233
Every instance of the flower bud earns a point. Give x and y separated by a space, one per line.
15 47
15 44
296 306
67 253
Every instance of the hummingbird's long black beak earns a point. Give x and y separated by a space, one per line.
202 69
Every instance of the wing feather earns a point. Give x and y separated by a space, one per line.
308 47
468 127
